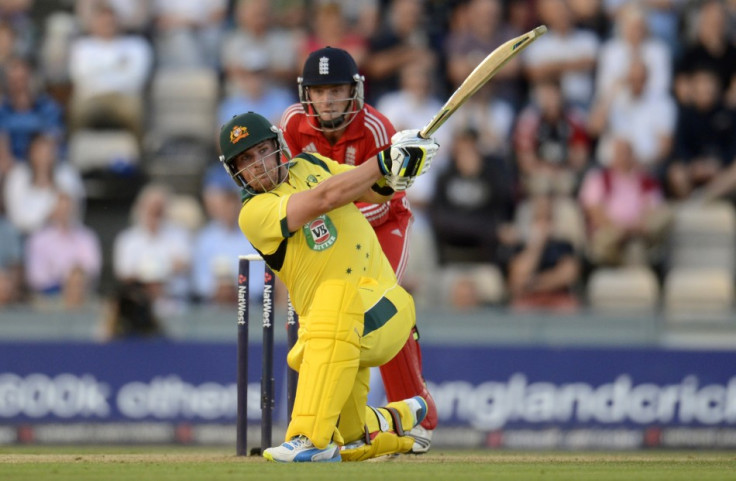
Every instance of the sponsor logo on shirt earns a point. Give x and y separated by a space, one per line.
320 233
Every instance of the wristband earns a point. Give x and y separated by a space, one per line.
382 188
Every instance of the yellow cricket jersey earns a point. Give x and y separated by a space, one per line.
340 244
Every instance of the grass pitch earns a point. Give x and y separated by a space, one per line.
187 464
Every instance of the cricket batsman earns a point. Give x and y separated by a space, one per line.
299 215
332 119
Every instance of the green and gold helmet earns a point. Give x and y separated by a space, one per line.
243 132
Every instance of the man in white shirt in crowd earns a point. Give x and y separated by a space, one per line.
109 72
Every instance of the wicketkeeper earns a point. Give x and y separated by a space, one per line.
299 215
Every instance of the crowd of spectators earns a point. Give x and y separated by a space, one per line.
574 158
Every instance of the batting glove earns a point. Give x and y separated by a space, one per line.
408 157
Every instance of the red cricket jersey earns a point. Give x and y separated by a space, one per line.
369 133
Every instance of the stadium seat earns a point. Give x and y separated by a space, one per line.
698 294
703 236
94 150
628 288
184 104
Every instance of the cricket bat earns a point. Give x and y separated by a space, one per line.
480 75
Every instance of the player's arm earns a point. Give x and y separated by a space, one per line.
374 181
336 191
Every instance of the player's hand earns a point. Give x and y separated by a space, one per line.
408 157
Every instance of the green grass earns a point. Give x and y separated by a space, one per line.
185 464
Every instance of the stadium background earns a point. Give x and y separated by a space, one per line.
643 360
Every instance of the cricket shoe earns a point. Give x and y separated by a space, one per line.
422 439
418 407
301 450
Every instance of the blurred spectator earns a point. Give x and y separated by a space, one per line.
362 16
63 258
8 44
153 250
130 314
479 31
566 53
329 28
545 270
473 204
11 263
17 14
663 17
31 189
624 209
134 16
109 72
250 88
522 14
731 19
712 48
188 33
255 39
590 15
491 116
551 144
217 247
645 116
705 145
631 41
60 29
26 110
290 14
403 39
411 107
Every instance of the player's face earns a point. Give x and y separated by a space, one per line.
330 101
260 166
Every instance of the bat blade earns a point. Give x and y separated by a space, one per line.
480 75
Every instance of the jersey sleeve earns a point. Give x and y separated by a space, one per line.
263 221
379 132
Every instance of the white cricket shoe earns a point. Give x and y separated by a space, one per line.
301 450
422 439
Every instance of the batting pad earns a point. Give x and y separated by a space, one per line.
333 327
296 353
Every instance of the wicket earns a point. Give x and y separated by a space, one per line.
267 377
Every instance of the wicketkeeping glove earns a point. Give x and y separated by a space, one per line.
408 157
